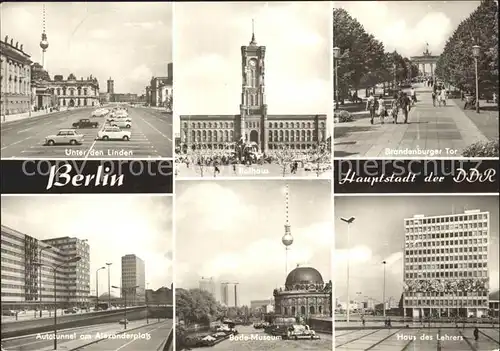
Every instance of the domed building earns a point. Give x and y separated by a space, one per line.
305 294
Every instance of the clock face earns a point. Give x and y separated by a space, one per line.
252 63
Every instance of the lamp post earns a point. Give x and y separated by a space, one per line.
97 287
147 307
109 284
348 221
336 56
54 269
124 291
475 53
383 290
40 267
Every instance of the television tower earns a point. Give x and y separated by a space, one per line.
287 239
44 44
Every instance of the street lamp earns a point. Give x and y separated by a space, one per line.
54 269
383 290
40 267
336 56
109 284
147 307
475 53
97 286
125 300
349 222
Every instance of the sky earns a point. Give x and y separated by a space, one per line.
128 41
232 230
406 26
207 56
115 225
377 234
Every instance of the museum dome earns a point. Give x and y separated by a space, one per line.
303 276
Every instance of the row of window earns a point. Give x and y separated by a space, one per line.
16 86
445 228
456 218
448 266
446 250
455 303
460 274
77 90
275 125
458 294
447 235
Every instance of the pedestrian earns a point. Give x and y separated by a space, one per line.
382 112
371 105
363 321
395 108
434 98
476 333
413 95
405 106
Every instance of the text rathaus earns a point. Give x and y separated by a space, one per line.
253 124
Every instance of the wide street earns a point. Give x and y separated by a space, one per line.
423 339
267 170
151 136
431 132
67 339
323 344
147 338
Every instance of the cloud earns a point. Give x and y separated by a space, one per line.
141 73
100 34
144 25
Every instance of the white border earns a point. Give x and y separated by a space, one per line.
174 180
408 158
414 194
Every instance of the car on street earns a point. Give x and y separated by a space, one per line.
70 310
121 122
85 123
65 136
113 133
301 332
123 321
100 112
9 313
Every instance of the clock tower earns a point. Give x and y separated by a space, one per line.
253 108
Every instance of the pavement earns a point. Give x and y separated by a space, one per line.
95 337
261 341
151 136
425 339
431 132
267 170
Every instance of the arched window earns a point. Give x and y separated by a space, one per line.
292 135
293 311
226 135
209 135
311 310
193 135
270 135
231 135
303 310
281 135
320 309
253 78
308 135
204 135
286 135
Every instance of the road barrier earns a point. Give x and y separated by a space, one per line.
168 344
43 325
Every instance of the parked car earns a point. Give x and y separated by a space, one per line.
123 321
122 123
85 123
65 136
301 332
100 112
113 133
9 313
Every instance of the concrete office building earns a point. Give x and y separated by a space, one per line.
133 275
446 265
21 287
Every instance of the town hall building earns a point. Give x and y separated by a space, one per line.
253 123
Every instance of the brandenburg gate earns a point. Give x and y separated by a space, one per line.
425 59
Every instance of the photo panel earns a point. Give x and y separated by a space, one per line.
91 272
86 80
253 265
416 272
415 79
253 89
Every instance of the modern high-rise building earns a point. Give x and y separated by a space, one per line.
25 284
224 294
208 285
133 280
446 265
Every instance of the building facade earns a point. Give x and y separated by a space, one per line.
160 91
253 124
26 285
305 295
74 92
161 297
446 265
133 280
15 72
207 285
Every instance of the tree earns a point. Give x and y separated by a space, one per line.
320 156
361 54
196 306
456 63
285 156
